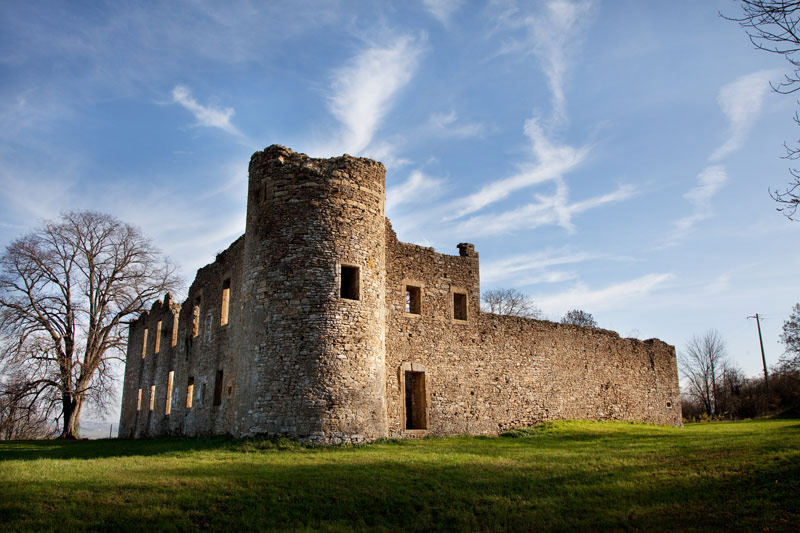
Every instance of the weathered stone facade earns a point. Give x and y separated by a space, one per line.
318 324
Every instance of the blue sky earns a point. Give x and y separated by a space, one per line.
609 156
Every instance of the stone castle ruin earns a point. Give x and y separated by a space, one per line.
318 324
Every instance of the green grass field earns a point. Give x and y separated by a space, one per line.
563 475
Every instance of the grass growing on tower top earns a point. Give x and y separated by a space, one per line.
561 475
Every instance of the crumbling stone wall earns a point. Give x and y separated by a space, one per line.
337 332
491 372
199 353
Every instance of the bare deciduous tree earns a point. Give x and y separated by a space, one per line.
65 291
579 317
773 26
702 363
510 302
23 416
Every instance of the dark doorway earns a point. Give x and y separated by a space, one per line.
416 410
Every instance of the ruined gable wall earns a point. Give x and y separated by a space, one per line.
493 372
200 357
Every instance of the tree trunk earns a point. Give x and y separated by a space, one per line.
72 415
707 399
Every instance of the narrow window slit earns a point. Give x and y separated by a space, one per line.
158 338
189 392
218 389
459 306
168 408
226 299
413 300
196 318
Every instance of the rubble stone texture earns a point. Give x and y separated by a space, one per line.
337 332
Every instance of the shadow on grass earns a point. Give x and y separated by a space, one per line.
574 435
376 492
107 448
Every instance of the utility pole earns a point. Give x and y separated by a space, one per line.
763 358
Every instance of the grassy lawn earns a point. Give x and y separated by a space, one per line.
563 475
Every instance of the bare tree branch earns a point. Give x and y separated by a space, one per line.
774 26
510 302
65 291
702 363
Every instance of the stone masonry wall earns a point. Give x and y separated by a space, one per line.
491 372
315 358
199 354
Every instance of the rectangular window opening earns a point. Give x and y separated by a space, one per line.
152 397
196 318
189 392
416 409
174 330
158 338
350 282
144 343
168 408
139 401
226 298
413 300
459 306
218 389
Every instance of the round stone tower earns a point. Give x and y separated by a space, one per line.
313 297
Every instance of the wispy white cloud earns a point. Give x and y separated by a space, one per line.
622 193
31 195
548 210
206 116
709 182
721 284
386 151
514 266
447 125
551 277
189 227
552 161
364 90
442 10
741 102
553 35
127 48
615 296
417 187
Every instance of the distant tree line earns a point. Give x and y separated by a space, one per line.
716 389
513 302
